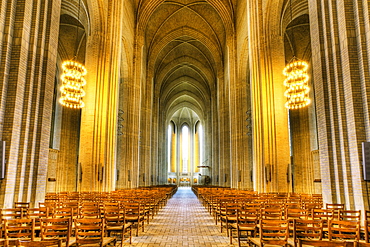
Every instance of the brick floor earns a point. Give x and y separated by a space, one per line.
182 222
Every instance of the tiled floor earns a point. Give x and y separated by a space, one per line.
182 222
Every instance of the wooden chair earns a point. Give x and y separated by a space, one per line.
323 243
9 213
57 228
344 230
306 229
325 215
134 214
229 217
37 214
15 229
115 222
247 221
90 232
272 232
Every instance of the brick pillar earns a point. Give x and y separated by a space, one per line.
340 61
27 69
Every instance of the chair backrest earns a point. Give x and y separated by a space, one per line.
322 243
12 213
335 206
114 217
354 215
21 204
19 228
134 209
36 243
272 213
307 229
247 217
89 231
63 212
274 232
295 213
344 230
90 212
52 228
322 214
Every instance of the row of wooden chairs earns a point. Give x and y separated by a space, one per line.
115 218
78 232
259 231
247 212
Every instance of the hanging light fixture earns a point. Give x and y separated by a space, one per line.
73 79
296 83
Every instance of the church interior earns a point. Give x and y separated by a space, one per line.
270 96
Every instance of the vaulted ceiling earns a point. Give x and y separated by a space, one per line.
185 41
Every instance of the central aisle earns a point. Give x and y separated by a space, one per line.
182 222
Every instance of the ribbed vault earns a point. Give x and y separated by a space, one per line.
185 42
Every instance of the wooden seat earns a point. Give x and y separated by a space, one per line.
90 232
272 232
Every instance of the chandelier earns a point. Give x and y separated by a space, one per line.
296 84
73 81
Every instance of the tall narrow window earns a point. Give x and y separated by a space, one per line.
171 147
201 143
169 137
185 148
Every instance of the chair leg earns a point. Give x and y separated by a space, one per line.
231 236
238 237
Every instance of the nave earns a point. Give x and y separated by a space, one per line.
184 221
